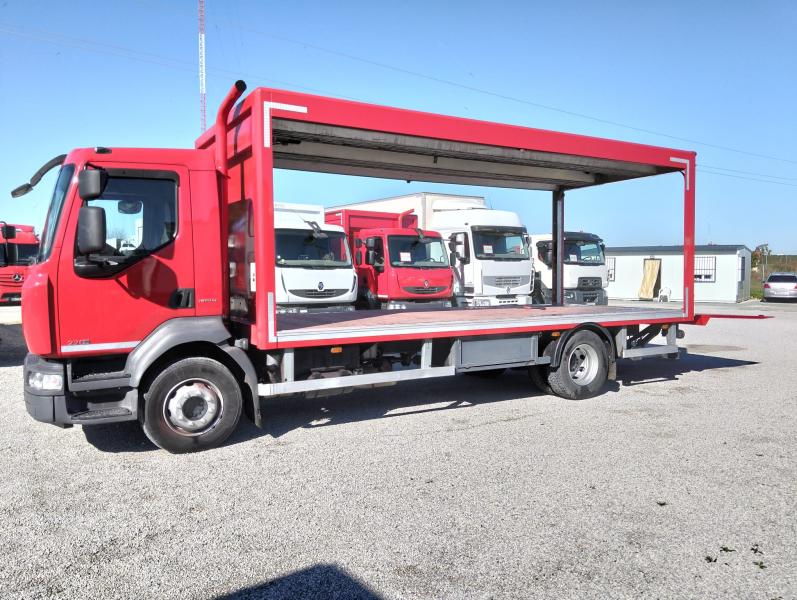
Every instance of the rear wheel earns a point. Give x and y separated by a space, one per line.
583 369
191 405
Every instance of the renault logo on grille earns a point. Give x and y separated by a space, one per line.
320 286
508 289
426 283
18 277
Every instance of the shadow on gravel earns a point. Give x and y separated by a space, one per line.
319 581
12 346
284 414
118 437
659 369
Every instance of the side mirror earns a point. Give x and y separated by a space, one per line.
90 229
91 183
370 257
358 243
370 244
9 232
455 241
358 259
549 256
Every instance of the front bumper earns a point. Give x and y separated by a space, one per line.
774 293
64 409
577 296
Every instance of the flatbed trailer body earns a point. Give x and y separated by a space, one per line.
201 338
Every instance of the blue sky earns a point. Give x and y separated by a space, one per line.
124 74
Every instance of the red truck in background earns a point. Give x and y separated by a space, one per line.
18 245
398 265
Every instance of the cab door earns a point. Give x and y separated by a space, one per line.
109 302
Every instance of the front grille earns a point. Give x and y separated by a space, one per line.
507 281
589 283
311 293
424 290
8 281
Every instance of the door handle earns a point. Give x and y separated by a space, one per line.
182 298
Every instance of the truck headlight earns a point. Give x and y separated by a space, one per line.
53 382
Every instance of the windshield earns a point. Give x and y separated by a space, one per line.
500 243
580 252
577 252
782 279
419 253
25 252
298 248
54 211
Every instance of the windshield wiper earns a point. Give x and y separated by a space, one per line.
37 176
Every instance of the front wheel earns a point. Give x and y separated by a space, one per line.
583 369
191 405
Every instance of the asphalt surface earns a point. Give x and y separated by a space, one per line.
678 482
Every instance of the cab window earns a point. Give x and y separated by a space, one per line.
140 214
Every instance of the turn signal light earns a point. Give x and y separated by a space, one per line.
766 286
336 349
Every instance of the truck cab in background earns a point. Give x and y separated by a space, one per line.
492 264
585 274
399 265
19 246
314 272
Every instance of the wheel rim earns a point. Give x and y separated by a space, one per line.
192 407
583 364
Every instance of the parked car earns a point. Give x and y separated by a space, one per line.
780 285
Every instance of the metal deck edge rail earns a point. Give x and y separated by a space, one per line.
463 326
314 385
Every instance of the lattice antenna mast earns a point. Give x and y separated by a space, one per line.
202 94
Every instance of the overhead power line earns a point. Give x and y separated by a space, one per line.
169 62
494 94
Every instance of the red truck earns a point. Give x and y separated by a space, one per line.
181 331
18 246
398 265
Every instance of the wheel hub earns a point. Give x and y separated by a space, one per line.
583 364
193 406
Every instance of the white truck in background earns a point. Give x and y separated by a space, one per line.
493 264
313 271
585 274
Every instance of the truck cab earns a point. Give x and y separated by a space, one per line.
19 246
585 274
493 265
399 265
314 272
489 248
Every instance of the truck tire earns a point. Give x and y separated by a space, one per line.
539 373
583 369
191 405
539 377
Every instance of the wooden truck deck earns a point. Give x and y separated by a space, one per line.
355 325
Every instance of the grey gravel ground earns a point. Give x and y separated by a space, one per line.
679 482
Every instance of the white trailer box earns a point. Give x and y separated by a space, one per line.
493 266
